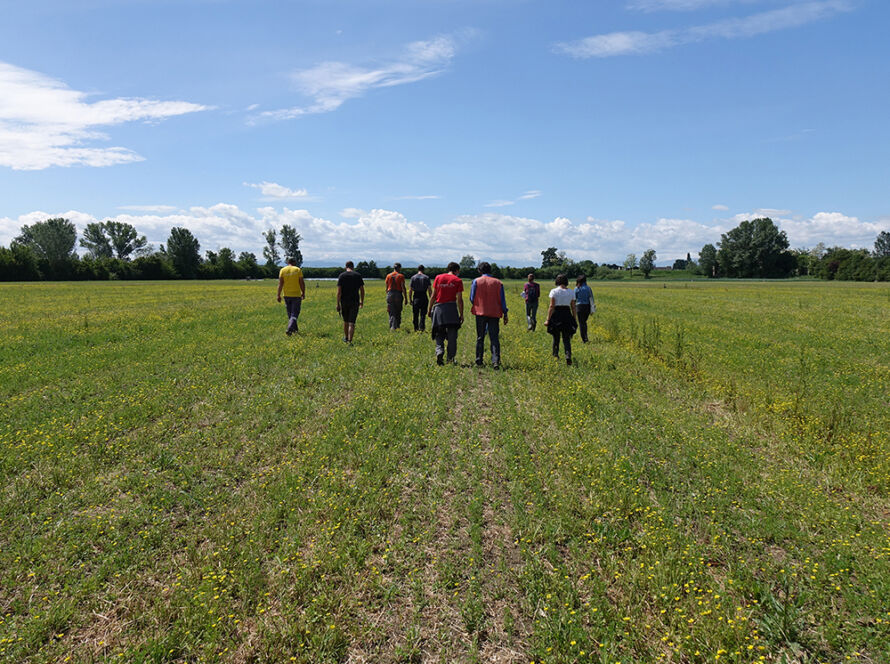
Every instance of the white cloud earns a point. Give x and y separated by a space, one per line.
638 43
721 208
417 198
44 123
528 195
274 191
330 84
759 213
385 235
832 228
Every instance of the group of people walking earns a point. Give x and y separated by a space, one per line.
441 300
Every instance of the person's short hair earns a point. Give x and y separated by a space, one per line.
562 280
397 266
291 260
350 264
420 268
453 267
531 275
581 279
484 268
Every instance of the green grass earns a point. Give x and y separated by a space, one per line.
183 483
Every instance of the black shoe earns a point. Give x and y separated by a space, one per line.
478 363
440 360
496 367
569 361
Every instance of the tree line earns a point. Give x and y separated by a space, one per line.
755 249
759 250
46 250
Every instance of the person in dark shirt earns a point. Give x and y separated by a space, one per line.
531 292
420 298
350 298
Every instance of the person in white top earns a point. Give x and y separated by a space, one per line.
562 318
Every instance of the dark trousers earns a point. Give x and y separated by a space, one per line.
394 301
491 326
292 304
566 342
420 305
583 314
531 313
450 334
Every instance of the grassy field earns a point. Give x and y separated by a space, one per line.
183 483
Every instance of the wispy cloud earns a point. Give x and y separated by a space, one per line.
44 123
720 208
525 196
427 197
638 43
678 5
275 191
330 84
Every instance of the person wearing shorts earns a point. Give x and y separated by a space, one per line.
350 298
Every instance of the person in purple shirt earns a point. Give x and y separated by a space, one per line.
531 292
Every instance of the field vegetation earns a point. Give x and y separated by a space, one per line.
184 483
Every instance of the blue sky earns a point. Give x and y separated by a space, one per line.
428 129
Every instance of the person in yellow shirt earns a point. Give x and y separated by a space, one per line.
292 286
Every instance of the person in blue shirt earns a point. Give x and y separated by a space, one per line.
584 304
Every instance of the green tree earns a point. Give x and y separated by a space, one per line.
679 264
51 240
270 251
95 241
228 267
183 249
647 262
755 249
248 264
124 239
18 263
882 245
549 257
468 262
630 263
290 242
707 260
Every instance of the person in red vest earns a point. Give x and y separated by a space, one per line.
489 306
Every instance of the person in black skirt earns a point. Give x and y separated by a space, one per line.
562 318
